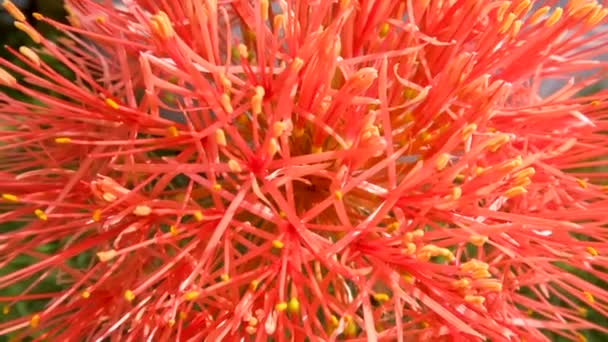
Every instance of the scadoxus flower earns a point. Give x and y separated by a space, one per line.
307 170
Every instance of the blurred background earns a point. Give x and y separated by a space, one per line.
15 38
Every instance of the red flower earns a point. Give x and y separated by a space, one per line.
364 169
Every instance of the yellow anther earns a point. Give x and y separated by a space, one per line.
111 103
293 306
481 274
522 182
456 192
510 165
333 321
171 322
478 240
442 161
502 9
7 79
280 307
220 137
384 28
100 19
109 197
338 195
142 210
243 119
583 184
506 24
351 329
495 143
595 103
409 249
424 135
161 25
173 230
242 50
35 321
30 54
252 321
96 216
85 294
580 337
515 191
297 64
278 244
418 233
490 285
183 315
191 295
251 330
591 251
226 103
344 4
408 278
264 9
13 10
554 17
479 170
216 187
278 128
429 251
468 131
224 277
273 147
198 215
473 265
257 99
393 227
173 132
278 22
108 255
583 10
408 237
459 178
37 16
41 214
31 32
282 214
316 149
596 16
234 166
381 297
254 285
582 311
6 309
256 104
225 82
589 297
527 172
10 198
522 8
463 283
515 28
538 14
477 300
529 312
129 295
63 140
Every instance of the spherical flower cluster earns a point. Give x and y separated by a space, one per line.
209 170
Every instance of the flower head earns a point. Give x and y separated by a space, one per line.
370 170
